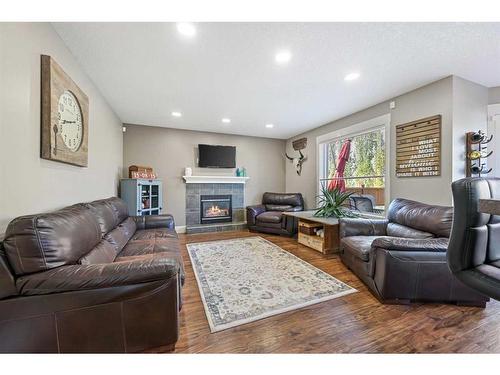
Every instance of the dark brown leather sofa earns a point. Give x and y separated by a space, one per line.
89 278
403 258
268 217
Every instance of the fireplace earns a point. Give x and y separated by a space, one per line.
215 209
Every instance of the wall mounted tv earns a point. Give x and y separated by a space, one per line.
216 156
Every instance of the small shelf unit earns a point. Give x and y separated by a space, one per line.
143 197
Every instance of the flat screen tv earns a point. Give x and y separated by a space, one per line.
216 156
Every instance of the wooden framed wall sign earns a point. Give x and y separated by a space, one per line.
64 117
299 144
418 148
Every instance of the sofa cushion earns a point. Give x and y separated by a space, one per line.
119 207
105 215
129 227
166 247
398 230
104 252
97 276
270 217
151 234
119 236
358 246
278 207
40 242
281 199
136 248
421 216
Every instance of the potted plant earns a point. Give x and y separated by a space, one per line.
331 203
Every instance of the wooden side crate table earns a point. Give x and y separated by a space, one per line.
310 225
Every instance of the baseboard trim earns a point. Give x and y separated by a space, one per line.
180 229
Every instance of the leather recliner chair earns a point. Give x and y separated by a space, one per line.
268 217
474 248
89 278
403 258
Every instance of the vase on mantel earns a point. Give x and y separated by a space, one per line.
241 172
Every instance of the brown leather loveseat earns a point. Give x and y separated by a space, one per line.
89 278
268 217
403 258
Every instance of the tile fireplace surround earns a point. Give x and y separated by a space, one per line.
195 190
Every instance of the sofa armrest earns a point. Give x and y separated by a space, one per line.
97 276
435 245
7 281
154 221
362 227
253 212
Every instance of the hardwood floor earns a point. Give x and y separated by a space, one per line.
356 323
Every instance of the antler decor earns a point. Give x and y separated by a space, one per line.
297 161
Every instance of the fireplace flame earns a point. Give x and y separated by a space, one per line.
216 211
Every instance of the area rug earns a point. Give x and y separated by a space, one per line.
246 279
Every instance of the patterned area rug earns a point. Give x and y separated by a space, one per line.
246 279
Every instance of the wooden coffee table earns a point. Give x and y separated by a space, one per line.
489 206
330 241
326 244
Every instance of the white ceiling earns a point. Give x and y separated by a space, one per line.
148 70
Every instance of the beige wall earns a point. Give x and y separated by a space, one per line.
429 100
435 98
470 113
494 95
169 151
28 183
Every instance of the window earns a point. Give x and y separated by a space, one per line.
366 164
365 170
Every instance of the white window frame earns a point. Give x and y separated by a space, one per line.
380 122
494 129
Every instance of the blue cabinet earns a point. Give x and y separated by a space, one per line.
143 197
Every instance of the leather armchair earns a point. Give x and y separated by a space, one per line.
403 258
89 278
474 248
362 203
253 212
268 217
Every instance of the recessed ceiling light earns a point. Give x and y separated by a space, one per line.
269 126
282 57
351 76
186 28
226 120
176 114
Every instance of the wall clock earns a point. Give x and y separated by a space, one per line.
65 117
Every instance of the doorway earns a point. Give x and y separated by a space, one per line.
494 128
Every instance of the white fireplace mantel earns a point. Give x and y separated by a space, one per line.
215 179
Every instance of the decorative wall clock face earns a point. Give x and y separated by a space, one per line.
65 116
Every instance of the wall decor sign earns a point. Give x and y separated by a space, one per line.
418 148
138 171
64 117
299 144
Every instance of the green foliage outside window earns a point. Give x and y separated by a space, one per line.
367 158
